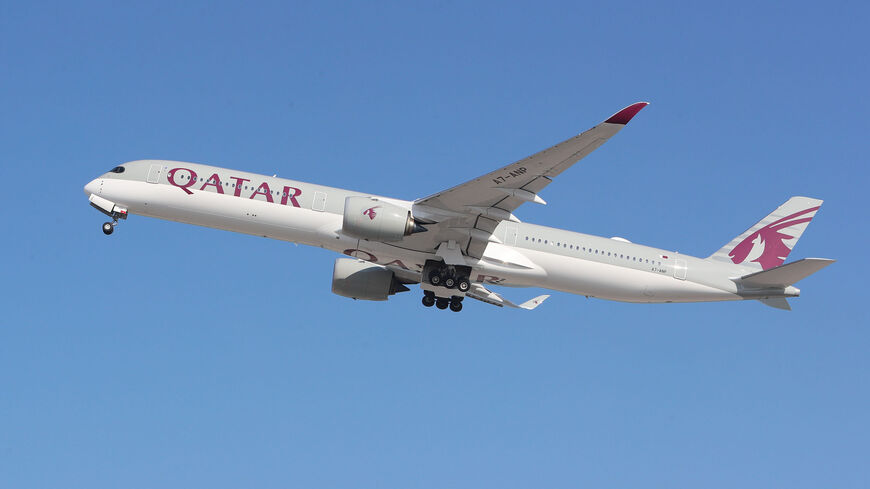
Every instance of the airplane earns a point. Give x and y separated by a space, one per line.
460 242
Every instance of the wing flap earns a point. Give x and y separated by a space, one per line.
776 303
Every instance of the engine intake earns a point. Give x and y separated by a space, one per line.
360 279
368 218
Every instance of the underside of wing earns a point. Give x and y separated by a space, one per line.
481 293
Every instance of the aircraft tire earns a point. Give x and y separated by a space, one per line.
108 228
435 278
463 285
428 300
455 306
441 303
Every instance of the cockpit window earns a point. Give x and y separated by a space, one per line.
117 169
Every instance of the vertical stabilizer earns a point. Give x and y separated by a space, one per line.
767 244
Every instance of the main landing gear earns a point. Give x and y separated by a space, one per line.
446 276
442 280
454 302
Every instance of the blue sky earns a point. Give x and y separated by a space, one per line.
174 356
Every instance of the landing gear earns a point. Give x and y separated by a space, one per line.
111 209
450 276
454 303
449 282
463 285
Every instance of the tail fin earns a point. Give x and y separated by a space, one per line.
767 244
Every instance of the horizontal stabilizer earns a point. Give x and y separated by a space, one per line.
777 303
785 275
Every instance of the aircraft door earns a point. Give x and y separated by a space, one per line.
154 173
319 203
510 234
680 269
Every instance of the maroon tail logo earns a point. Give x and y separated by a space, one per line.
371 212
775 250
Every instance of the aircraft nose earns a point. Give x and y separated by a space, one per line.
92 187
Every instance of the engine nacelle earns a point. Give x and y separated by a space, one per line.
368 218
359 279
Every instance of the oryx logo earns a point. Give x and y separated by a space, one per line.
371 212
774 250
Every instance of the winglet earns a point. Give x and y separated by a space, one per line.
625 115
531 304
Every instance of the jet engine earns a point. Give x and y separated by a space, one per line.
359 279
368 218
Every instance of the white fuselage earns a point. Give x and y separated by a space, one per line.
519 255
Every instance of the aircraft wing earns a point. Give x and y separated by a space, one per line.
483 294
474 208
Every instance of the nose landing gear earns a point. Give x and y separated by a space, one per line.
110 209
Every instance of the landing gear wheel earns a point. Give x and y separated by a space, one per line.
435 278
108 228
449 282
441 303
455 306
428 300
463 285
